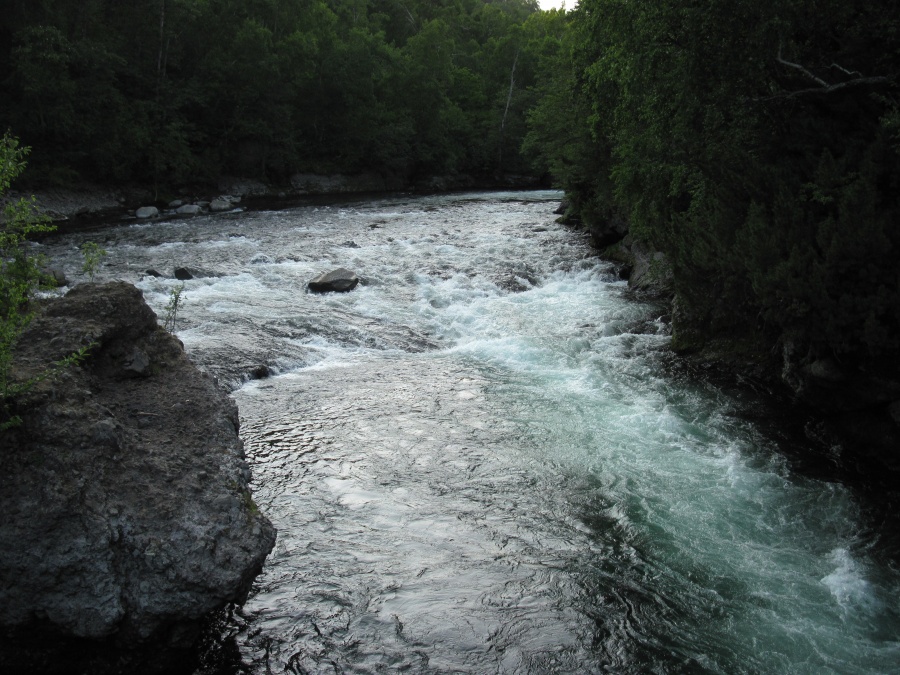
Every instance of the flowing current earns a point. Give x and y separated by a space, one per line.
477 462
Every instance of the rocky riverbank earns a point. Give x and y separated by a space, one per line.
68 206
127 514
852 415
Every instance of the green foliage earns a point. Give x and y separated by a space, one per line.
92 254
756 144
20 273
172 308
170 91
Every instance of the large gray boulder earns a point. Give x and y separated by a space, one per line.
127 517
147 212
340 280
220 204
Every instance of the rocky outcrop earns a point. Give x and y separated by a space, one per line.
647 271
61 204
127 515
340 280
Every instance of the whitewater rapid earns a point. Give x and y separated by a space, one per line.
478 461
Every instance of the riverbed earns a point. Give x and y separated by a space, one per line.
478 461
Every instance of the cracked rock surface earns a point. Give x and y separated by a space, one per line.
127 516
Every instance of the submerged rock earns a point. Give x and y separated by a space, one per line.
127 517
340 280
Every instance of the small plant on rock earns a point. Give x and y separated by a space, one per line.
173 307
93 254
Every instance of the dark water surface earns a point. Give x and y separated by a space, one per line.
477 464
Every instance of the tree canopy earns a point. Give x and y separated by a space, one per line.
756 144
172 90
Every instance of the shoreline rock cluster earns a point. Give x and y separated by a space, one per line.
97 202
128 518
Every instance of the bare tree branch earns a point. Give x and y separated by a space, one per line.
824 87
845 71
797 66
828 89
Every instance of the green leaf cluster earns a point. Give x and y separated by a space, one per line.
20 272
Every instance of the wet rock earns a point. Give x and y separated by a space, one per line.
176 203
350 244
188 210
147 212
219 204
126 512
152 273
183 274
260 372
61 203
56 275
340 280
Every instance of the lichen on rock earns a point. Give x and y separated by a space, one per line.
125 494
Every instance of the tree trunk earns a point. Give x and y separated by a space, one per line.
512 84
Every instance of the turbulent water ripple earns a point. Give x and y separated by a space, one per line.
478 462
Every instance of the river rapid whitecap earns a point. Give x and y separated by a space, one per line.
477 462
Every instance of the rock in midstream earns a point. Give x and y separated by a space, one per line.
127 515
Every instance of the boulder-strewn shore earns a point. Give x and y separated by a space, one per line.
94 202
127 514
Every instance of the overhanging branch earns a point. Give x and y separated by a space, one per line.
824 87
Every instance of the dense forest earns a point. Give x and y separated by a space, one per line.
176 90
754 144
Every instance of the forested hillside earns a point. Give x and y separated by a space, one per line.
175 90
756 145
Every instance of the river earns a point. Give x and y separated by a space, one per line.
478 461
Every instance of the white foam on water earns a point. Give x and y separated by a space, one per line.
849 586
